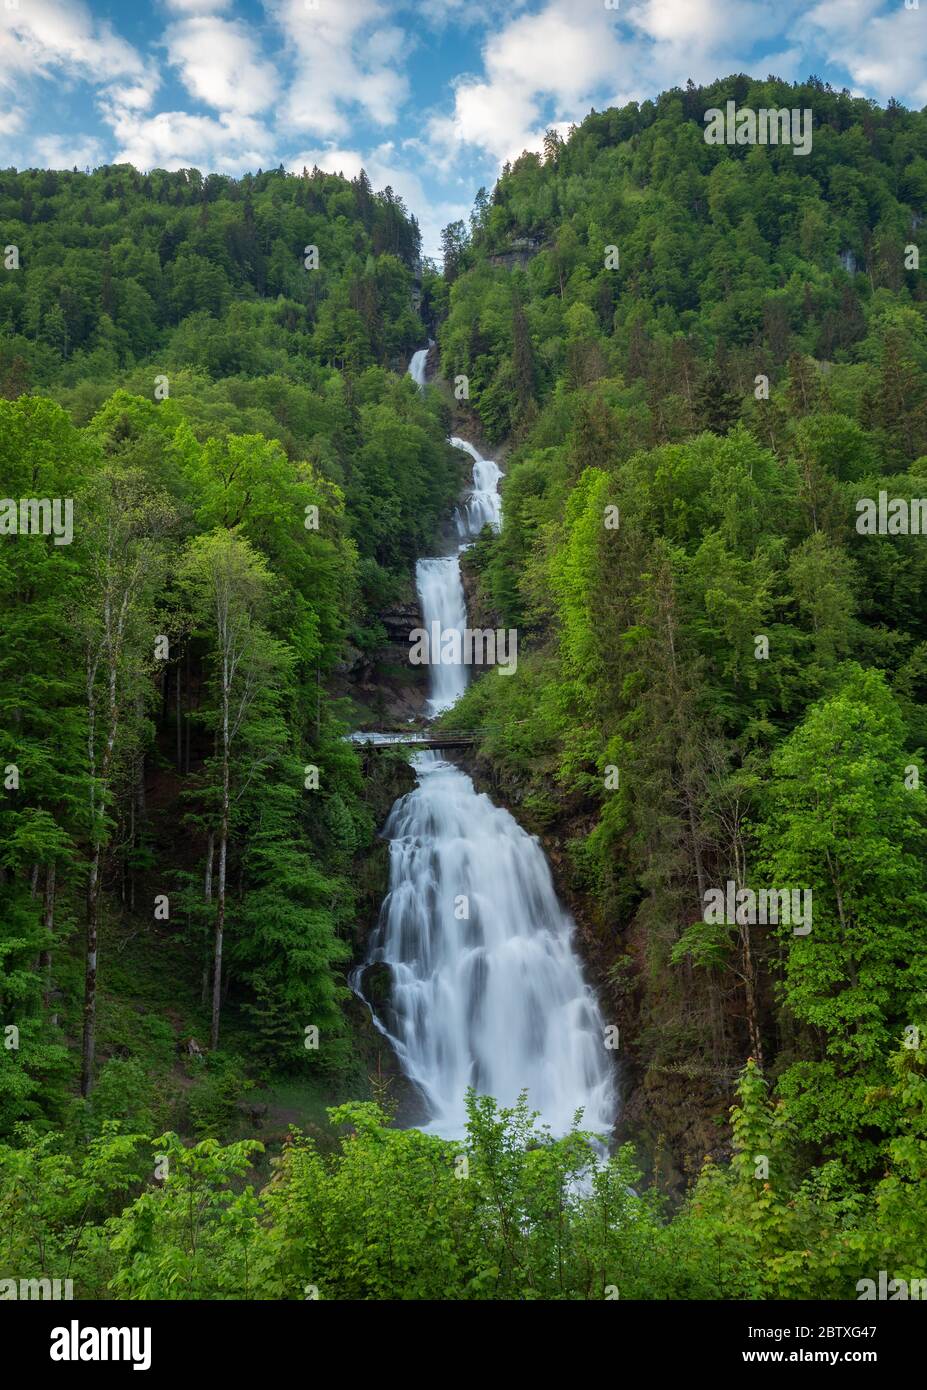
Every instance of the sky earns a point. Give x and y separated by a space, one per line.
429 96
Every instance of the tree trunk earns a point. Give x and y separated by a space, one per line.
131 851
48 922
696 850
88 1046
220 930
753 1021
187 716
207 897
179 718
223 854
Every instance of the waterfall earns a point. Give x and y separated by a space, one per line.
486 987
441 597
482 506
418 364
487 990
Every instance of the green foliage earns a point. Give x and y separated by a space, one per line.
720 679
193 1235
505 1213
219 395
117 267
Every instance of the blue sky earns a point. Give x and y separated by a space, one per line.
430 96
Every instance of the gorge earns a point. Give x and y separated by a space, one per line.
487 990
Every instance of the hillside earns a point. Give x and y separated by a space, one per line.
722 679
704 365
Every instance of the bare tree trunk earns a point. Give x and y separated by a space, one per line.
48 922
753 1021
88 1046
207 897
131 849
179 717
187 718
220 929
696 850
223 855
97 809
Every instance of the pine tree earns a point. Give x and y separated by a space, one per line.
716 408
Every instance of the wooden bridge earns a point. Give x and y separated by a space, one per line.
422 738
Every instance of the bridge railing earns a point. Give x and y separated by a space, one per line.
428 738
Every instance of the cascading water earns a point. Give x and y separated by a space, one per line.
486 988
441 597
418 365
483 506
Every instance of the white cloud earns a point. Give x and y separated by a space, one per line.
463 13
43 36
702 24
61 40
196 6
218 65
331 161
11 122
63 152
178 140
559 58
885 54
496 118
567 50
346 60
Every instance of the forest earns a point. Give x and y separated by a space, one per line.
701 364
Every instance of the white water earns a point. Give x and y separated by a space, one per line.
417 365
487 989
494 1000
441 598
483 506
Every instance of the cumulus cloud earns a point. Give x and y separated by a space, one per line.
559 57
197 6
44 37
704 24
11 121
228 144
346 60
438 14
884 53
219 65
63 152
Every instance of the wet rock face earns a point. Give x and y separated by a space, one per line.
383 684
400 621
